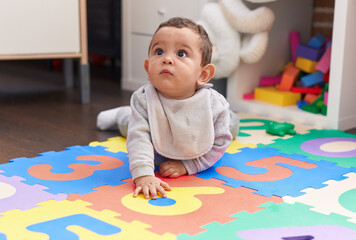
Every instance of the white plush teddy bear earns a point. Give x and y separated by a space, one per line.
236 33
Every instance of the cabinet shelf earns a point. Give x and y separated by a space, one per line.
297 16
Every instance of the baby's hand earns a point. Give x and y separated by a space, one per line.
150 185
172 169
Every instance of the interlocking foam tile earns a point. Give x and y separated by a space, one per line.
236 146
253 129
272 173
337 197
325 232
15 194
193 202
115 144
332 145
75 170
71 220
274 219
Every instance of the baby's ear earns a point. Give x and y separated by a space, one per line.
207 73
146 68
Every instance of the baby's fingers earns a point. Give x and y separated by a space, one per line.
161 191
153 192
146 192
137 191
165 186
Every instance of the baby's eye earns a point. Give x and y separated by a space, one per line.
159 51
181 53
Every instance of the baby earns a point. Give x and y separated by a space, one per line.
176 119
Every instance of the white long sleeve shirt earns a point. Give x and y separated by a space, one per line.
194 130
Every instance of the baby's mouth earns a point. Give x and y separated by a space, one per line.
166 72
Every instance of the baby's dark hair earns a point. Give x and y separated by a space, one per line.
206 45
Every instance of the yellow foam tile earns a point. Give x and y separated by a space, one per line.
14 223
115 144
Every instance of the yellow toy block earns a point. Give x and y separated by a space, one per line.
306 65
115 144
272 95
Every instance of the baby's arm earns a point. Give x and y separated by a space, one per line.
140 149
149 185
222 141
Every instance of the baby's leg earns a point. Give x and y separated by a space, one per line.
114 119
172 169
122 120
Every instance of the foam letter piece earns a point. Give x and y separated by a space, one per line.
192 203
56 229
78 219
77 169
330 145
272 173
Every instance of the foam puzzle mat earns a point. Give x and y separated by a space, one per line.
264 187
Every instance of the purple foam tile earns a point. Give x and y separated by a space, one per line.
24 196
325 232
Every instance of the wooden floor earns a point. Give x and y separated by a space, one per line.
38 114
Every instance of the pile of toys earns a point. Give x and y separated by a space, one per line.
304 81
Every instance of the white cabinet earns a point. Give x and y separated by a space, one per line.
39 26
140 20
39 29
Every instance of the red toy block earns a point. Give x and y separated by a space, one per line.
294 41
324 63
288 78
326 77
270 81
315 90
248 96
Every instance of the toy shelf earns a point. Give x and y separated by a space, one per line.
297 16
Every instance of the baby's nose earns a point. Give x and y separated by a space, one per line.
167 60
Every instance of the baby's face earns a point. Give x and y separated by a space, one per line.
174 62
